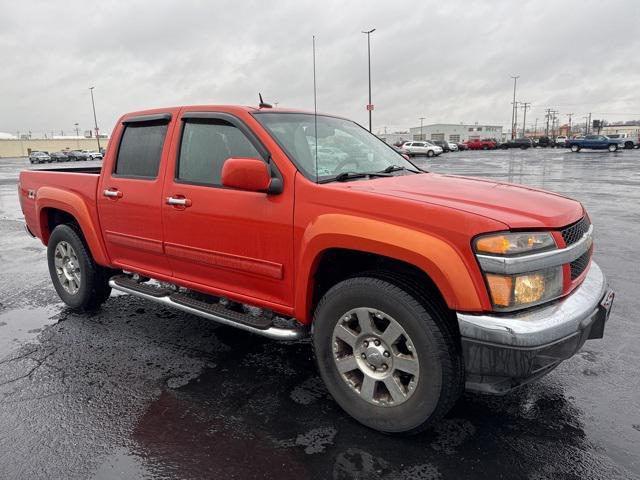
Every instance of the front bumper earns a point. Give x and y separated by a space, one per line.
502 352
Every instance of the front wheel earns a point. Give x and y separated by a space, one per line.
613 147
78 280
386 355
430 153
575 148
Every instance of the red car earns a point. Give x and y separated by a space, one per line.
418 285
481 144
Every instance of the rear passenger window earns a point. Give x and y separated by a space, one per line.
140 150
205 146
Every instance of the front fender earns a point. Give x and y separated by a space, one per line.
76 206
439 259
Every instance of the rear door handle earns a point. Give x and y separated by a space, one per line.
178 201
112 193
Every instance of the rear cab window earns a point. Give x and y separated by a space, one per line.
140 149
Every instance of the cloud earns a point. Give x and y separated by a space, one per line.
448 61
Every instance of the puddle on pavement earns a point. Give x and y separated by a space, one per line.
23 324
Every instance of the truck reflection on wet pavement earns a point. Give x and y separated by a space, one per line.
138 391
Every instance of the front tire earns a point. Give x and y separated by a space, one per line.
430 153
575 148
386 354
78 280
613 147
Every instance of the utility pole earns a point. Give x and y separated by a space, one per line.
589 124
77 129
421 135
569 115
95 119
369 105
535 129
514 111
525 106
514 131
553 123
547 116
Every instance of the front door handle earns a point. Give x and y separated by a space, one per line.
178 201
112 193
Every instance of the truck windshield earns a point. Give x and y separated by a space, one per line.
342 146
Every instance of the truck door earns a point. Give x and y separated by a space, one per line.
222 240
130 194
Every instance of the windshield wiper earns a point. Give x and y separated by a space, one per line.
396 168
344 176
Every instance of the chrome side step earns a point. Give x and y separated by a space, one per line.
211 311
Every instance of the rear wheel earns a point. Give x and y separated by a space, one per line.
575 148
78 280
430 153
613 147
628 145
386 355
484 147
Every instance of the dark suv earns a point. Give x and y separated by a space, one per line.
522 143
442 144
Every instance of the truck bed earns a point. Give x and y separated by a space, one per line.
93 169
37 183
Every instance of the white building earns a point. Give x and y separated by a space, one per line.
453 132
395 137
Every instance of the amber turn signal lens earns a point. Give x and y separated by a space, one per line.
498 244
500 288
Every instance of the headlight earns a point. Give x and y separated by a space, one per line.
514 243
510 292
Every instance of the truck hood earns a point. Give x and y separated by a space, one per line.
517 206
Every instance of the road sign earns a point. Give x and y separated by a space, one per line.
370 107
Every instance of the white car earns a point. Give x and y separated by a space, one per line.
453 146
93 155
561 141
625 140
422 148
39 157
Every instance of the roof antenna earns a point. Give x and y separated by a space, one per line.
315 107
262 104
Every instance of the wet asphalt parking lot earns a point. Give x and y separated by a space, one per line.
138 391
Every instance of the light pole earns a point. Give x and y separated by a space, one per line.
77 129
369 105
514 107
95 119
525 106
421 120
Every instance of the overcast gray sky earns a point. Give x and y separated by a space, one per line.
449 61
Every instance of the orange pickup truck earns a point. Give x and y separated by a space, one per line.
412 285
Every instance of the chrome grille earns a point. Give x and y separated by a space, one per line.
574 232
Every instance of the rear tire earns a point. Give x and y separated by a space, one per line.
389 399
78 280
575 148
430 153
612 147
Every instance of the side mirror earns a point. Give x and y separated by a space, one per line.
249 174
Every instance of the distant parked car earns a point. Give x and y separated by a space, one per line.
442 144
462 146
422 148
59 157
77 155
522 143
93 155
39 157
561 141
593 142
545 142
625 140
453 146
476 144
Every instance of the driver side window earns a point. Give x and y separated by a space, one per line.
205 146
